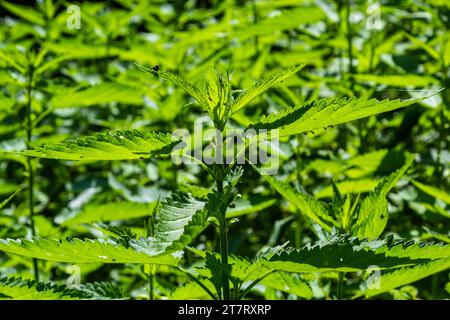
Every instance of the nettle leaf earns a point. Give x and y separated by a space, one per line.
247 270
409 248
401 80
111 145
6 103
372 215
244 271
433 191
102 93
350 255
264 85
102 212
215 98
179 81
179 219
20 289
288 282
214 271
348 187
366 219
24 289
249 206
191 291
5 202
289 19
218 92
389 281
319 114
24 12
102 290
86 251
309 206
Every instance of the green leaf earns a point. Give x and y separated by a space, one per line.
289 19
19 289
287 282
306 204
181 82
401 80
432 191
5 202
372 215
179 219
76 50
102 290
247 271
215 271
112 145
6 103
25 12
349 255
96 212
402 248
419 43
346 187
252 270
252 205
404 276
191 290
102 93
13 58
314 115
86 251
263 86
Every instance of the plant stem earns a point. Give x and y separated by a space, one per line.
151 286
149 227
29 128
299 166
223 230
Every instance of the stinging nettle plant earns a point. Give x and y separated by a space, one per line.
180 217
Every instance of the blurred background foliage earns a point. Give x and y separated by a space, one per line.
84 81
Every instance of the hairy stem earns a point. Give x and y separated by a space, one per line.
149 226
151 294
299 167
223 230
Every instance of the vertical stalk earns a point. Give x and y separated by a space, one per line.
149 226
298 162
29 129
151 286
223 233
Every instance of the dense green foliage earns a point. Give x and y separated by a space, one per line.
94 206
